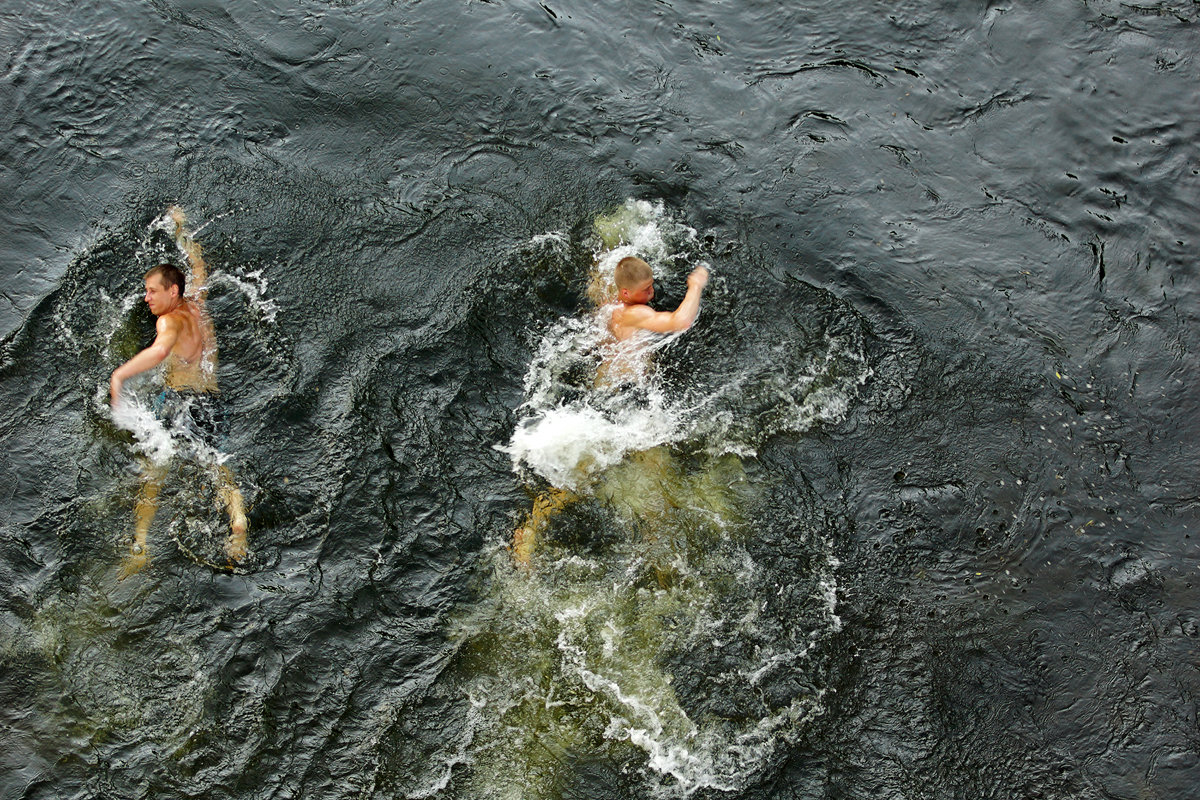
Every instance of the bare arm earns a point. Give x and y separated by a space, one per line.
191 248
680 319
152 356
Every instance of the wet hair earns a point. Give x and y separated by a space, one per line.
631 271
168 273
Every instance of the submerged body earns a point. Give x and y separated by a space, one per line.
630 323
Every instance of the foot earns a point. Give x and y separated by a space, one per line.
523 542
236 547
525 537
135 562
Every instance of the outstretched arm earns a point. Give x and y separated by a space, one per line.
152 356
198 287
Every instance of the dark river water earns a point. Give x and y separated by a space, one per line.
911 512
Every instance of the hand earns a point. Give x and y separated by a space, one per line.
698 279
176 215
114 391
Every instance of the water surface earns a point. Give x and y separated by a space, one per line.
972 225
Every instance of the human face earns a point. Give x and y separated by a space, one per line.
639 295
160 296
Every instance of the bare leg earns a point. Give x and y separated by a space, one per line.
235 548
147 504
545 506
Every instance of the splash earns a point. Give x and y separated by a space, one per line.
641 638
591 401
572 429
787 390
638 228
568 445
254 287
151 438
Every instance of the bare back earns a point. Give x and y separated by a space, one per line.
192 361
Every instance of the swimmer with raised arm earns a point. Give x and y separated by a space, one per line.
186 345
635 289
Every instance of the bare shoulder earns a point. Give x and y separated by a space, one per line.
632 315
170 322
181 321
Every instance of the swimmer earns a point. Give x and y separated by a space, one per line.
186 345
635 289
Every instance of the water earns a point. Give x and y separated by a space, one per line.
912 512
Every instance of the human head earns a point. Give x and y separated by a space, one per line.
164 288
169 274
634 279
632 271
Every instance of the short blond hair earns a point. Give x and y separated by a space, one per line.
631 271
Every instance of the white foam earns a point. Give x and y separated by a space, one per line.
567 445
252 285
151 437
568 433
163 223
558 239
829 591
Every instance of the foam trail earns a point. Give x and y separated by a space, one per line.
151 438
575 649
252 285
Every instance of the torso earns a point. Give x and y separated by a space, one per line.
616 324
192 362
625 356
